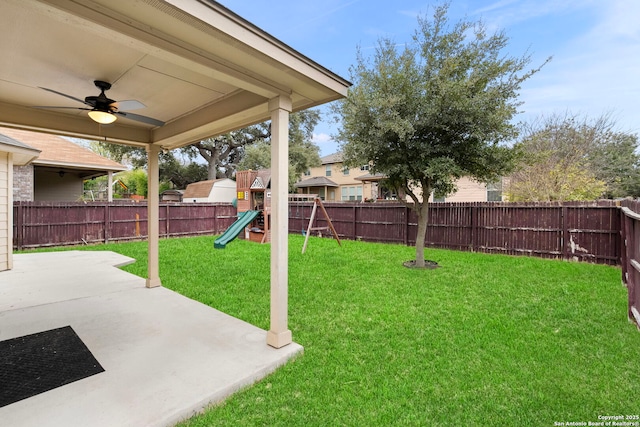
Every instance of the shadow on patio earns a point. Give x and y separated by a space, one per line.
165 357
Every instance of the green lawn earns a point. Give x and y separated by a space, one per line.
485 340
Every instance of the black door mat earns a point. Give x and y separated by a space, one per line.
40 362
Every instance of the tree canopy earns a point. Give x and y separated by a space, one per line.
571 157
436 111
303 152
247 148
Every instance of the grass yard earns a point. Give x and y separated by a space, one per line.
485 340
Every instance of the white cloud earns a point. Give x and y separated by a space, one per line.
507 13
321 138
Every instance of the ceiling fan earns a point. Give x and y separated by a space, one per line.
104 110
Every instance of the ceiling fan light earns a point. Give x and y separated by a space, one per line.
102 117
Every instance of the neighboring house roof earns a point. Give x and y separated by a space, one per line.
56 151
332 158
174 192
22 153
371 177
200 189
316 181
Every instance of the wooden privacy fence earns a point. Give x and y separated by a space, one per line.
37 224
630 259
580 231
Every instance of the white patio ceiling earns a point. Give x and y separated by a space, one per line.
194 64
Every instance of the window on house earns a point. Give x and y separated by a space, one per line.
351 193
345 171
327 170
307 172
364 167
438 199
494 191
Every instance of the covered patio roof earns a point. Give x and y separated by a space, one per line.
193 64
190 69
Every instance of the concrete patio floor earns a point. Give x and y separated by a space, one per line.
165 356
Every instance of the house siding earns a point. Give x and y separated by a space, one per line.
50 186
468 191
344 180
6 195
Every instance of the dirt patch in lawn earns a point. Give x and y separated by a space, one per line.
428 264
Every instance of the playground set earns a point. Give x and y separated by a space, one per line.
253 204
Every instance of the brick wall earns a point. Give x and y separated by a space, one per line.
23 183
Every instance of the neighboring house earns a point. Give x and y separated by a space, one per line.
13 153
473 191
333 182
214 190
59 172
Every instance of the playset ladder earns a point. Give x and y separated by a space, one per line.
318 202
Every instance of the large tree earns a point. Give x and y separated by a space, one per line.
438 110
174 171
223 153
573 157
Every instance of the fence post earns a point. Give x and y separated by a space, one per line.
474 226
623 239
565 232
107 222
355 223
166 220
19 226
215 219
406 225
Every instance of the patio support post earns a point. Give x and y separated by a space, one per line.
279 335
153 216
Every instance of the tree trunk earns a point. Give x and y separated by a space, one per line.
212 170
423 220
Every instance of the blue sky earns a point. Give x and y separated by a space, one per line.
595 45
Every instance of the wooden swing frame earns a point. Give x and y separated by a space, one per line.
317 201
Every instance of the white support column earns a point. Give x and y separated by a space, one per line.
279 335
153 216
8 196
110 186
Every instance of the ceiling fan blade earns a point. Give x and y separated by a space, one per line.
128 105
59 107
139 118
63 94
